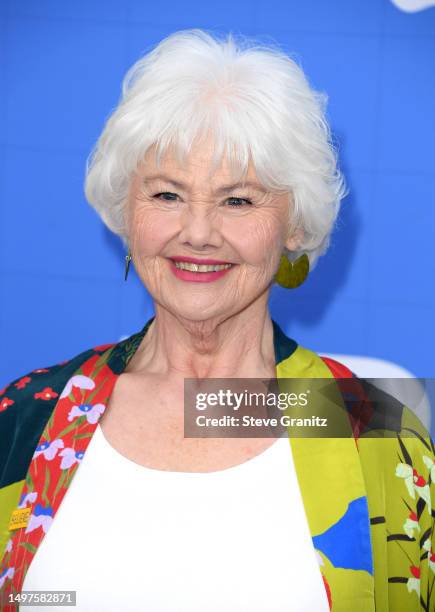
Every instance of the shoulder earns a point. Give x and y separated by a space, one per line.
42 384
374 412
26 404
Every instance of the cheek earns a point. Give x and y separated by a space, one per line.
256 239
149 231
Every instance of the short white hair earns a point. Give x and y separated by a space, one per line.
256 103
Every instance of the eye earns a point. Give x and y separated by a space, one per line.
239 202
171 196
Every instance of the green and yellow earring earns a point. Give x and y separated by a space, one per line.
127 264
292 274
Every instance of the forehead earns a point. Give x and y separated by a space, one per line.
201 162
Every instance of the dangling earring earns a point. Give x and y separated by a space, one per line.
291 275
127 264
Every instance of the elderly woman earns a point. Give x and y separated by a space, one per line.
218 172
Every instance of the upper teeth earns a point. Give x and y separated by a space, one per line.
192 267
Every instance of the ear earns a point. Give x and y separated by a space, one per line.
295 239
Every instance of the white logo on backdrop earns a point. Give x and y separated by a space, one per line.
412 6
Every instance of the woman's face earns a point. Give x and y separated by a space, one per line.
193 215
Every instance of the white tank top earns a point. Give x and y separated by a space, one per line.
127 537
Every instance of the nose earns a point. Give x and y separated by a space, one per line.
200 228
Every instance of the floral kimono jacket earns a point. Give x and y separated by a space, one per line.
367 497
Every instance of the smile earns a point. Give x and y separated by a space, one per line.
185 265
199 273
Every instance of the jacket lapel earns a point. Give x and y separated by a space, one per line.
334 494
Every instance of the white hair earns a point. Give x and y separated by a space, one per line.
256 103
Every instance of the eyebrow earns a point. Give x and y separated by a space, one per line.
222 189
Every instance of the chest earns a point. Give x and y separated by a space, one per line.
145 423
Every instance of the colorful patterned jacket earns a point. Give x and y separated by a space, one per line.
367 497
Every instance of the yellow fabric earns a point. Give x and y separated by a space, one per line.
9 498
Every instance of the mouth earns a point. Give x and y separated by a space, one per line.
193 271
193 267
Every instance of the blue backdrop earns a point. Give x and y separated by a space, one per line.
61 65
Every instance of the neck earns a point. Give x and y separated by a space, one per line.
239 346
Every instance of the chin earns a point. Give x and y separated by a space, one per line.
202 310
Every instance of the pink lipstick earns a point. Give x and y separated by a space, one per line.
196 272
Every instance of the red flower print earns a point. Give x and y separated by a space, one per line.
23 382
419 481
40 370
5 403
46 394
4 390
415 571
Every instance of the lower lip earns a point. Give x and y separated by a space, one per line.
198 277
